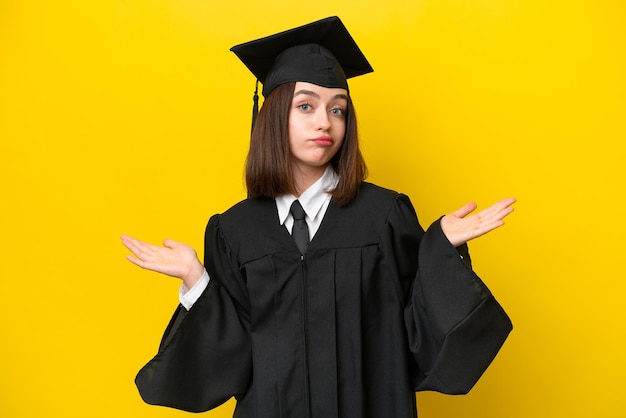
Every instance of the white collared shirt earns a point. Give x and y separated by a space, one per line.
314 201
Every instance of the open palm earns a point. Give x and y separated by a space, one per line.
173 258
461 227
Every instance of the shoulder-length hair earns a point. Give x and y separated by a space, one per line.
269 162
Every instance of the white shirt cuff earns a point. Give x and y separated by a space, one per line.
188 297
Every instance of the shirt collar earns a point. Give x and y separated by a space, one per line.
313 198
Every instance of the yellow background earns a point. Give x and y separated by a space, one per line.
132 116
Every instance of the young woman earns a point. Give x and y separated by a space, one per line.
348 321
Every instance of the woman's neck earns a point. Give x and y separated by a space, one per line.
305 177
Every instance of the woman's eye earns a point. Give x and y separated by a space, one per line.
337 111
305 107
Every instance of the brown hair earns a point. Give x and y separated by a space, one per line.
268 166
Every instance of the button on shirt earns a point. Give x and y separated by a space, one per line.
314 201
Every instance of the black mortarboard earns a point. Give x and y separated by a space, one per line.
322 53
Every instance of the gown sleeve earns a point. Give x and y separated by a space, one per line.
205 355
455 326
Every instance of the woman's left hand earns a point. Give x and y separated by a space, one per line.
460 228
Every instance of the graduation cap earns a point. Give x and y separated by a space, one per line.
322 53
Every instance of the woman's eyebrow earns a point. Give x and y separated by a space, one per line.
307 92
317 96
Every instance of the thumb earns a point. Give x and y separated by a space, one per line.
465 210
169 243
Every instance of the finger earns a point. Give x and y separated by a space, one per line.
139 244
498 210
509 201
135 247
131 245
146 265
503 209
136 261
130 241
493 217
142 250
465 210
133 260
508 206
504 204
170 243
126 240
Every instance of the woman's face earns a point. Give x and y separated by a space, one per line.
317 125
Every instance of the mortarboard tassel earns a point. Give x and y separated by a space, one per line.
255 106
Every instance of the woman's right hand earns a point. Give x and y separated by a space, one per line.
173 259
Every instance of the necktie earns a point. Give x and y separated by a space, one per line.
300 232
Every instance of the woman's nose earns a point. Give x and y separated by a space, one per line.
322 120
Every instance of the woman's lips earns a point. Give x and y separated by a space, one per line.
323 141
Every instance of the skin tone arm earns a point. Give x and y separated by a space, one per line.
180 260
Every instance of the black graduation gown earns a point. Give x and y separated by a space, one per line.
376 310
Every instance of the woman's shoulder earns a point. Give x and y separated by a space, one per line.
373 204
374 199
372 194
248 213
372 190
248 227
248 206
